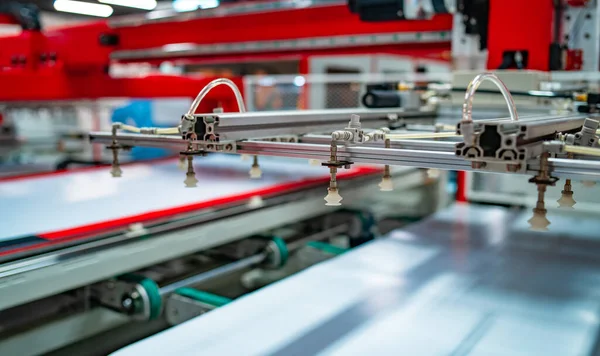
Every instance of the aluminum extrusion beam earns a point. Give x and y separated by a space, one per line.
238 126
534 127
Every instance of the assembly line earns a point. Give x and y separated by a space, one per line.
219 181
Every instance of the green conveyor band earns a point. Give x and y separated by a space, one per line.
327 248
283 250
204 297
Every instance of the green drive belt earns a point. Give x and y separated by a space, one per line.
327 248
204 297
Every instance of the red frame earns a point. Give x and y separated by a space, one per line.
521 25
70 63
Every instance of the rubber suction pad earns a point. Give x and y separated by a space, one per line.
116 171
190 180
333 198
386 184
255 172
538 222
566 201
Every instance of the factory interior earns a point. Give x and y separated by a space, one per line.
300 177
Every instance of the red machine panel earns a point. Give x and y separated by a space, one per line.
517 25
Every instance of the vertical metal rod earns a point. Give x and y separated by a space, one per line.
190 165
386 168
214 273
333 170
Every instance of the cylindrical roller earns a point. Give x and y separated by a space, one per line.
381 99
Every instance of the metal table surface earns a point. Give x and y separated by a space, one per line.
471 280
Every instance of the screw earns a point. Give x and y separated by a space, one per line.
513 167
478 165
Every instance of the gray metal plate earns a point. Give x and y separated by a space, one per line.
456 284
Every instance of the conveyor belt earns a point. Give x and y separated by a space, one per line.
52 208
468 281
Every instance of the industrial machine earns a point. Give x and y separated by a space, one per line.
312 228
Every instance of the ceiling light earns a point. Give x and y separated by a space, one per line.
192 5
138 4
83 8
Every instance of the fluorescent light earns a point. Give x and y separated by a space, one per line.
83 8
192 5
299 81
184 6
138 4
178 47
208 4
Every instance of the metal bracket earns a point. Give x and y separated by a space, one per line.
180 309
124 297
337 164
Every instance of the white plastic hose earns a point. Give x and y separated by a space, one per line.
151 130
582 150
212 85
168 131
472 88
129 128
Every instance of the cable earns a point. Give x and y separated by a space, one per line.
472 88
210 86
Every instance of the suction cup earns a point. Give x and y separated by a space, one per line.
539 222
190 180
566 201
386 184
333 198
116 171
255 172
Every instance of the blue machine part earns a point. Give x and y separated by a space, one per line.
141 113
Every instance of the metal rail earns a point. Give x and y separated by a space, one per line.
214 273
292 45
239 126
423 154
444 146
